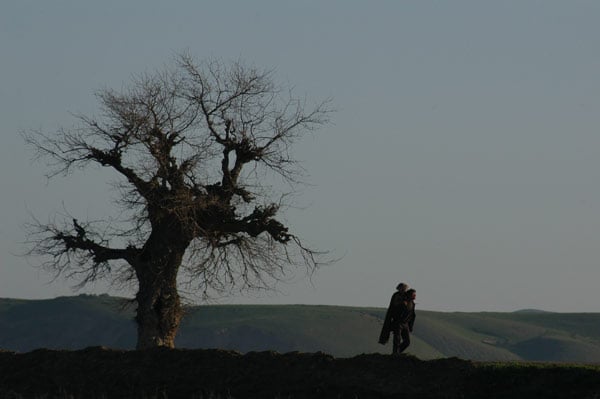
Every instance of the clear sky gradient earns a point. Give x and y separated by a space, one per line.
464 157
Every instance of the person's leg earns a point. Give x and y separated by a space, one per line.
405 339
396 342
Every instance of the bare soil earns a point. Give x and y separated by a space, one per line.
162 373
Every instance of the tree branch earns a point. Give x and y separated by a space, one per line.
188 146
75 250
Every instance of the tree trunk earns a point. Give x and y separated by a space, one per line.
159 307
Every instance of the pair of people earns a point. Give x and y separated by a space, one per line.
399 319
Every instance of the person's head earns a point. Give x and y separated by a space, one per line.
411 294
402 287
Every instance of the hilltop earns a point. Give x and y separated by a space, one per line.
165 373
82 321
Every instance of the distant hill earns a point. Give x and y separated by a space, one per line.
531 311
81 321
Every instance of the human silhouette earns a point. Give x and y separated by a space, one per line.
399 319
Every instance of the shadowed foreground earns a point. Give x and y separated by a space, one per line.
164 373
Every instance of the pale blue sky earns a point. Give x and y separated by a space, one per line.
464 157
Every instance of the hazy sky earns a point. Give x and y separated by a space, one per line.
464 157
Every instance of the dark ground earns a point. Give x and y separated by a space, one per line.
162 373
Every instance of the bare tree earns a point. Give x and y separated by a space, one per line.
192 148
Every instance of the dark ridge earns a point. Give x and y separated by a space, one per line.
531 311
164 373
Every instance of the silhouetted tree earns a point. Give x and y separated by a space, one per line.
193 147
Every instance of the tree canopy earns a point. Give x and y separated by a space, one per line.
193 148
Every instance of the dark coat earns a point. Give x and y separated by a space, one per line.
396 311
406 316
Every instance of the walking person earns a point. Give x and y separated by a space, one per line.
399 319
403 322
395 302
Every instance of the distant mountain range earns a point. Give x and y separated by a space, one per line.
85 320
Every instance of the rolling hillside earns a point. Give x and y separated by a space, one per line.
82 321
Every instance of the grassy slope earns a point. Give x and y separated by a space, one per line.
342 331
534 336
65 323
77 322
